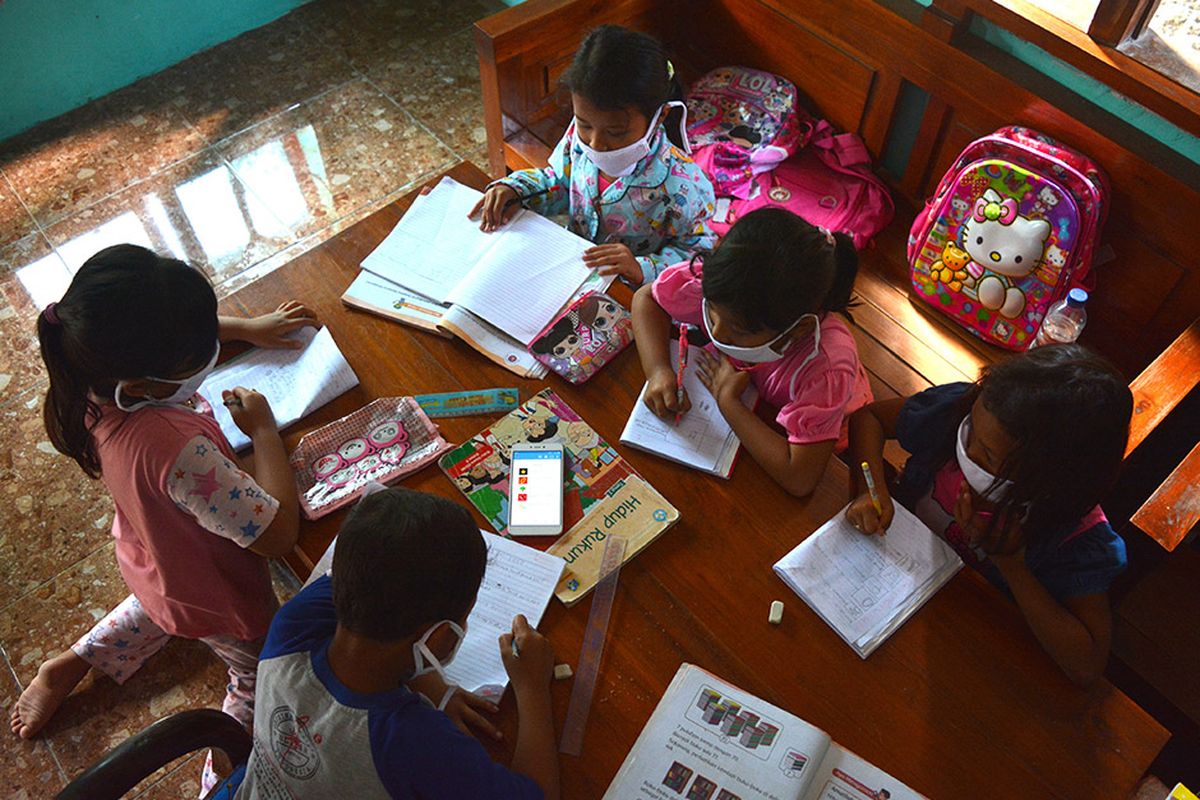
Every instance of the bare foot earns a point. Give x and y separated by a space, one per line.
42 697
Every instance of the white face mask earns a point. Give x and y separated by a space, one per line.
426 662
187 387
976 476
620 162
766 353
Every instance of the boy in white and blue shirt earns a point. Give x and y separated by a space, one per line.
335 715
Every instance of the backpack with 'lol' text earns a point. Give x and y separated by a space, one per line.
742 122
1011 229
829 183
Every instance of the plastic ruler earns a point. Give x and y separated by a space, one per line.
462 404
593 647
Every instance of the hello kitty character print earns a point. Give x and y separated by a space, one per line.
1011 228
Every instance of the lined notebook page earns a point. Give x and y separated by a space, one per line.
434 246
701 439
858 583
518 580
525 279
296 382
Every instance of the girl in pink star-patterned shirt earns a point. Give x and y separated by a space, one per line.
126 348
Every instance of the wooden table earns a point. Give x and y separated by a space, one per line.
961 702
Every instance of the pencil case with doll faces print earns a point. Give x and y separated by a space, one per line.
585 337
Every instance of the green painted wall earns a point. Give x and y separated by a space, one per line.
1078 82
56 55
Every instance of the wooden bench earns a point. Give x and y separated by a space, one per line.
859 61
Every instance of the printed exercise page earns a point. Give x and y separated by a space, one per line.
707 739
858 582
702 435
296 382
845 776
518 580
434 246
526 278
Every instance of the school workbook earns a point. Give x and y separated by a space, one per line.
866 587
709 740
702 439
496 291
602 493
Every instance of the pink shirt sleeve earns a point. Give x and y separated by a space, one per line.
679 293
222 498
817 412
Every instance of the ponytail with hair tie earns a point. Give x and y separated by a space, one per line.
50 312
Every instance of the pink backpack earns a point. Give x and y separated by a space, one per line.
1011 229
741 122
829 183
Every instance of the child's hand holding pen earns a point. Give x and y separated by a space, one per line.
528 657
497 206
250 411
872 511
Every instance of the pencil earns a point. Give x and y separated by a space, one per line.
871 488
683 353
516 651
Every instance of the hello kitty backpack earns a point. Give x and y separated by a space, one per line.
1012 228
742 122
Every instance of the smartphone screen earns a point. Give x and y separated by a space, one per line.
535 495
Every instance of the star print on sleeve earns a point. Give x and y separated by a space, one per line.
218 495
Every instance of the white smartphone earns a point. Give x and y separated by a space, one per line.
535 490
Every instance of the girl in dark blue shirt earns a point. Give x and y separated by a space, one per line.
1010 471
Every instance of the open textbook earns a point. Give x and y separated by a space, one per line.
496 291
702 439
708 740
865 587
296 382
518 580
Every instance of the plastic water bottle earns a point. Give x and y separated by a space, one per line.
1064 321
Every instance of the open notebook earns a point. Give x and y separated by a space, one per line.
709 739
295 382
702 439
518 580
865 587
496 291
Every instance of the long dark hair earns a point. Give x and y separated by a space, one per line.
616 68
1067 410
772 267
128 314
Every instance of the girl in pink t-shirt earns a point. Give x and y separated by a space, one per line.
126 349
770 299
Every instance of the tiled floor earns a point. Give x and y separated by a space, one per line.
233 160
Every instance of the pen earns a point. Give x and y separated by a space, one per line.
516 651
683 350
871 488
231 402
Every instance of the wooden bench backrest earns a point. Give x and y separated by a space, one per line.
855 59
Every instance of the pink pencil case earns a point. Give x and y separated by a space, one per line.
384 441
585 337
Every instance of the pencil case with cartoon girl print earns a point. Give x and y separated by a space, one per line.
583 338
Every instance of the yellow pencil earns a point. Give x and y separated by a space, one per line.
871 488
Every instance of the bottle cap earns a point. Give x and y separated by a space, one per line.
1077 297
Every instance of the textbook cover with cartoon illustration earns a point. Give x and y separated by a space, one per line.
496 291
602 493
709 740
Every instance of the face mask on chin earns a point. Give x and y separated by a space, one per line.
425 661
187 387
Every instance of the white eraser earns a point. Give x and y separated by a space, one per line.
776 615
562 672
